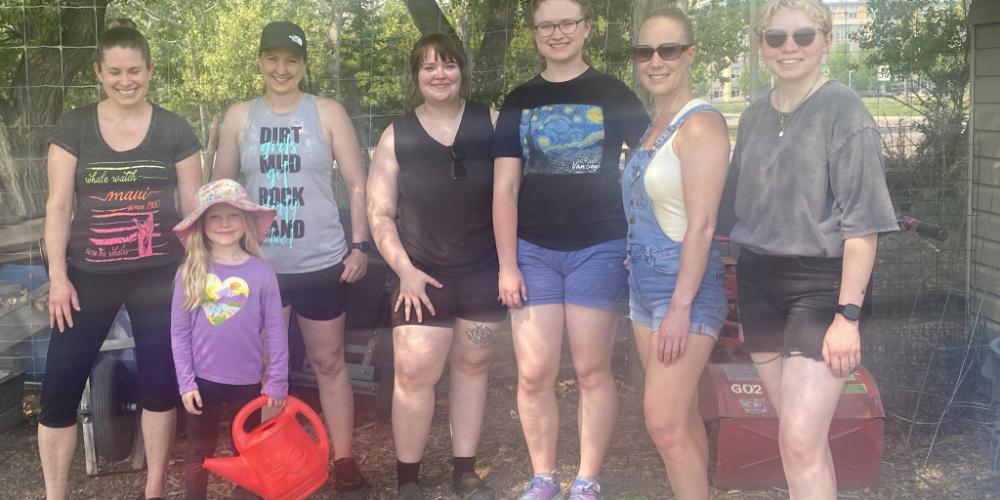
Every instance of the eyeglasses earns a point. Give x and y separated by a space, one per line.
567 27
803 37
457 167
666 51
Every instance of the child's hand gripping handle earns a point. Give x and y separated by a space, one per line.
243 440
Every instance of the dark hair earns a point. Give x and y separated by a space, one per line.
122 33
677 15
448 48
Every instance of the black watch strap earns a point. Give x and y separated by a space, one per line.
849 311
364 246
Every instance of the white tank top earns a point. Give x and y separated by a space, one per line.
664 185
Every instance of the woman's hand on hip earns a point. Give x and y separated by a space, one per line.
672 334
413 294
842 346
62 302
355 266
511 287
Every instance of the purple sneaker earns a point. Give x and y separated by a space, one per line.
541 488
585 489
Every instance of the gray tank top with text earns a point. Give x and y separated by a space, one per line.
288 166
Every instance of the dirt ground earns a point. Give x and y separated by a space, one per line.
958 466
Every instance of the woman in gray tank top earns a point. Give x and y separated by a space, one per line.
284 143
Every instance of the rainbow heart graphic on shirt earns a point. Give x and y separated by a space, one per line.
223 299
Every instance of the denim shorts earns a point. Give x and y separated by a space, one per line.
653 278
593 276
787 303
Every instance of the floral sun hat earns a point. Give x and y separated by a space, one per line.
232 193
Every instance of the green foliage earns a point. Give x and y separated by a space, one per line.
925 42
206 57
24 25
720 28
852 68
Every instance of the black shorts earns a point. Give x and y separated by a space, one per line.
786 304
317 295
471 296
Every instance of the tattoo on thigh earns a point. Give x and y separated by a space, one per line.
482 335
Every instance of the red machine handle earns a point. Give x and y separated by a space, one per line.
293 406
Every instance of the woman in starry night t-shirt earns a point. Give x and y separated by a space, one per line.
560 233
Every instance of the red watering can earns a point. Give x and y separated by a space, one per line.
277 460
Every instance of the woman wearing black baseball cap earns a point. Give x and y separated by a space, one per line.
285 144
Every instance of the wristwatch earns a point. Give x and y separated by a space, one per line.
849 311
364 246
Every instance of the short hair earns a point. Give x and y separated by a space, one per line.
677 15
448 48
122 33
815 9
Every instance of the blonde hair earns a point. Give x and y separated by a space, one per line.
194 270
586 10
818 11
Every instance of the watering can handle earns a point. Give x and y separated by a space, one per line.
294 405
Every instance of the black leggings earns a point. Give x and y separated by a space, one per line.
202 430
146 295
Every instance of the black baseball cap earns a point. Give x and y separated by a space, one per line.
283 35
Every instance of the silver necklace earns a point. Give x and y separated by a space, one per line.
784 118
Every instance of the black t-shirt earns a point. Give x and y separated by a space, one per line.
569 136
446 224
125 209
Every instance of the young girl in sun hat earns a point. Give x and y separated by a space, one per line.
226 305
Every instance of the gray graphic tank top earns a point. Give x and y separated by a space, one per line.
287 164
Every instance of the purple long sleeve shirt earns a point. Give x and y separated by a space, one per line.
222 340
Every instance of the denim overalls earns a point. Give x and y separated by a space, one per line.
654 258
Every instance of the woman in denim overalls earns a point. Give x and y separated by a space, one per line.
671 190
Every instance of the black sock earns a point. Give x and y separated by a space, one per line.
407 473
463 465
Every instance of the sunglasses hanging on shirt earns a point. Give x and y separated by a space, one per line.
457 166
803 37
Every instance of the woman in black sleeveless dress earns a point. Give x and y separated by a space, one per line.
430 192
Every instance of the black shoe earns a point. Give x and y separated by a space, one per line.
472 487
347 480
410 491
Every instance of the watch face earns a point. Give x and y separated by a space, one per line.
850 311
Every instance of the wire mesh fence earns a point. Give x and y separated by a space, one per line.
925 340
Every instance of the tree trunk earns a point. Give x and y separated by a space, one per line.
488 72
428 17
36 102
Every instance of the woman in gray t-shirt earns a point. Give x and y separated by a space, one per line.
808 202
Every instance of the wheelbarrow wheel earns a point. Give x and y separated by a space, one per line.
383 395
111 412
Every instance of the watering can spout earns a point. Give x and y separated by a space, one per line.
236 470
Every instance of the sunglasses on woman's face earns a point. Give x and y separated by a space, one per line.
666 51
803 37
457 167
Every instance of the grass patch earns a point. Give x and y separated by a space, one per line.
877 106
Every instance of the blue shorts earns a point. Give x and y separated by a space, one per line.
652 280
594 276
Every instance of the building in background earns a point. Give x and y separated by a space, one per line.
848 17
